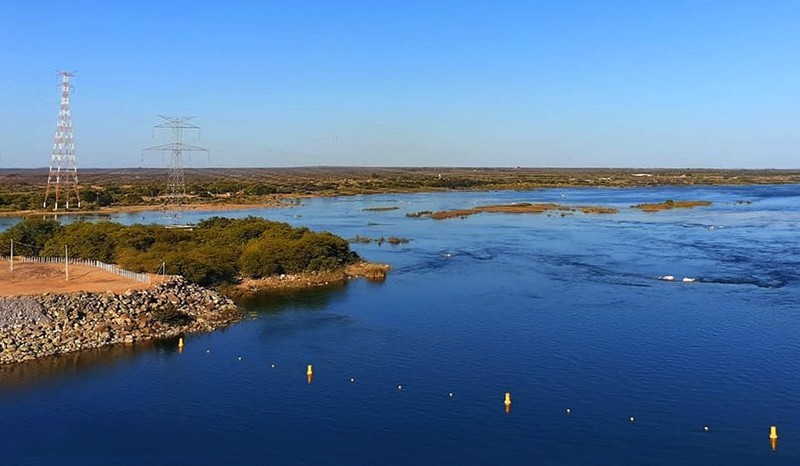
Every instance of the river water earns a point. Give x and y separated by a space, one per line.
563 312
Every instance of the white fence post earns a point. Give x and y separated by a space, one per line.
110 268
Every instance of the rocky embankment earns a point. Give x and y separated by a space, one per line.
47 324
368 270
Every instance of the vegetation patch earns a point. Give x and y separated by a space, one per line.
172 316
393 240
217 250
522 208
370 271
132 189
379 209
670 204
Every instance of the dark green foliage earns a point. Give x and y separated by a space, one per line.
217 250
85 240
29 235
306 252
170 315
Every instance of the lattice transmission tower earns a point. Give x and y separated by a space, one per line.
63 177
176 185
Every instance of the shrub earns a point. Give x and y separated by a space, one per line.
217 251
170 315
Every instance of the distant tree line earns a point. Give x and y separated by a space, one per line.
27 196
217 250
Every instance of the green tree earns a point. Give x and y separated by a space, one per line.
29 235
85 241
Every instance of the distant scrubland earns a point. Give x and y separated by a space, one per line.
126 189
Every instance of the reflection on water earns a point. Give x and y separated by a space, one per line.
79 363
309 299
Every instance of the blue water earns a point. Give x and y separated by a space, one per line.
563 312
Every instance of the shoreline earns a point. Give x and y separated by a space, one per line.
325 182
249 287
47 324
147 208
34 326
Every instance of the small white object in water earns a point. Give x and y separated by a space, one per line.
399 387
668 278
687 280
273 365
352 380
705 428
569 411
208 351
450 394
448 255
239 358
632 419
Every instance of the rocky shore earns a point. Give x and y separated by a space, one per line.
367 270
48 324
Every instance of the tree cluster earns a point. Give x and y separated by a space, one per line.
217 250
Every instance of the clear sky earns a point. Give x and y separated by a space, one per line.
640 83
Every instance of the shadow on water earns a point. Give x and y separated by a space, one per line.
282 316
273 302
79 363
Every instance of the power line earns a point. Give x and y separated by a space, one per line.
176 184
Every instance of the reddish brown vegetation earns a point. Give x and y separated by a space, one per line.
522 208
669 204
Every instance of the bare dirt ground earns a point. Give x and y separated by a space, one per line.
28 279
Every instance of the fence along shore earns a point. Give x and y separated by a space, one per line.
111 268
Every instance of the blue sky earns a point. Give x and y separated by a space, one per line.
394 83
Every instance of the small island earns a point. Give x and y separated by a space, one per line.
670 204
520 208
393 240
138 282
379 209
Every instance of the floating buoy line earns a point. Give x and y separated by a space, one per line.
773 430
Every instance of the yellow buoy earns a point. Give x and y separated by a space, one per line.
773 437
310 370
507 401
180 342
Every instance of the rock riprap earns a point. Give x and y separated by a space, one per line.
47 324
